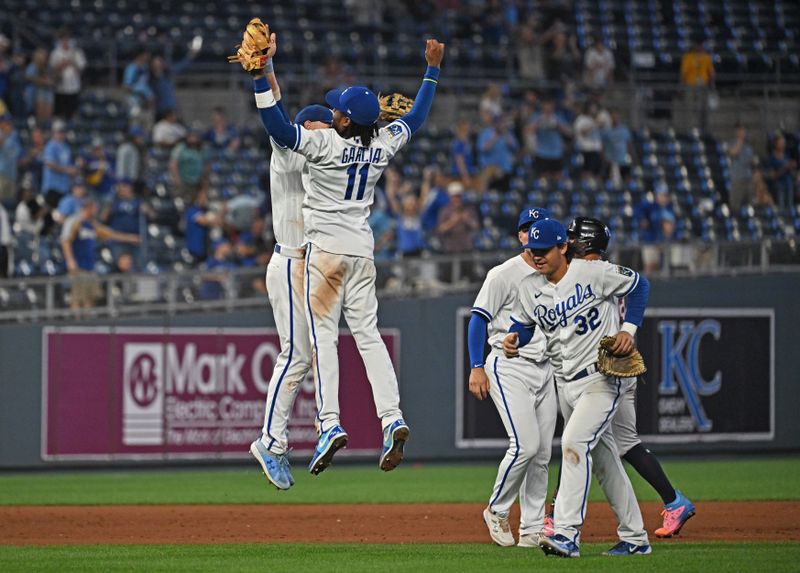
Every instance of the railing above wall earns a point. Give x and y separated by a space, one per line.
40 299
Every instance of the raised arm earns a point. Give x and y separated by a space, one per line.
434 52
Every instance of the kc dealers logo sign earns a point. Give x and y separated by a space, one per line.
698 387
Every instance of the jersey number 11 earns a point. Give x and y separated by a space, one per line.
351 181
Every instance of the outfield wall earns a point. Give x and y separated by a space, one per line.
428 350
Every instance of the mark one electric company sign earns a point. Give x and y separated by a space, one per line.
158 393
185 396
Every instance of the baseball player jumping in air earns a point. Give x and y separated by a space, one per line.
523 393
285 289
343 166
589 239
573 303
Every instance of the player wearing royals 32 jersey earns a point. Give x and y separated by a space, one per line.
344 164
573 303
284 281
523 393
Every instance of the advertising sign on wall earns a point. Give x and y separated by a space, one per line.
156 393
711 377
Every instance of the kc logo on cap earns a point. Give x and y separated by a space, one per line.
545 233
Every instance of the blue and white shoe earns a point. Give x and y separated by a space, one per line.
272 464
328 444
624 548
287 470
395 436
559 546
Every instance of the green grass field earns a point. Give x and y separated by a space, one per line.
686 557
746 479
734 479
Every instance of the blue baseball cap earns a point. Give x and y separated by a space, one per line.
314 113
359 103
530 215
546 233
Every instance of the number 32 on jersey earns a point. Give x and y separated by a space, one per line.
589 321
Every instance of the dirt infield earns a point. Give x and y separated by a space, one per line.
386 523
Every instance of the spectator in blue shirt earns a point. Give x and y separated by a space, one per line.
199 220
79 243
136 81
781 172
162 82
435 191
220 135
245 250
31 164
550 129
98 169
123 211
125 214
70 204
382 225
656 222
497 146
58 168
407 209
10 152
462 160
617 148
212 287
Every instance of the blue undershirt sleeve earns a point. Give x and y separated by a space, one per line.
636 302
283 110
422 103
276 124
476 339
525 332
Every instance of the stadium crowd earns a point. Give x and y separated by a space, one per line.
112 204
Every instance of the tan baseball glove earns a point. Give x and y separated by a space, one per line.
252 52
628 366
394 106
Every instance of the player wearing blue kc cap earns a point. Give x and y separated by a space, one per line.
573 303
522 391
314 113
546 234
359 103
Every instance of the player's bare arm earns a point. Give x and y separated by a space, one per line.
478 383
511 345
434 53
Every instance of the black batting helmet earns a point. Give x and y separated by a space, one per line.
592 235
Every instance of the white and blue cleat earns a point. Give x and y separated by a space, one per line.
275 466
395 436
624 548
330 442
559 546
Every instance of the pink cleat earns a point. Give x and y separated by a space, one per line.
676 514
549 525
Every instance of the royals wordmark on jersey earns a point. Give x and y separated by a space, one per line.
576 313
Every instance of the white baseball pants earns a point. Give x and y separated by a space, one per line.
337 284
623 426
588 406
285 291
524 394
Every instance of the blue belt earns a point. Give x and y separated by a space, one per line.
291 252
588 371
